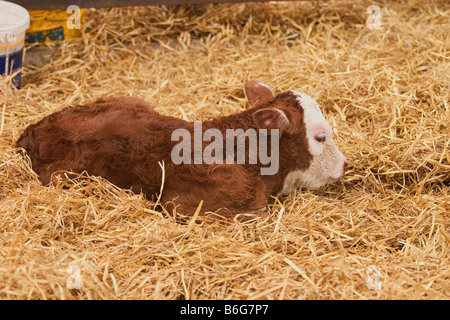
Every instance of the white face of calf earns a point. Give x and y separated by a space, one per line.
328 163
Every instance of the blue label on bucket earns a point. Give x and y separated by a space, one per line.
14 64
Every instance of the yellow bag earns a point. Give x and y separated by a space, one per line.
54 25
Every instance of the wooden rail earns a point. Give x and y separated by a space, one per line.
63 4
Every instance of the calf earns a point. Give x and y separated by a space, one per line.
125 141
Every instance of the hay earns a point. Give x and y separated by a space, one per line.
385 92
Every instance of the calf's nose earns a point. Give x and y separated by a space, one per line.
345 164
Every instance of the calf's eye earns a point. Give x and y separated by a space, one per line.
320 137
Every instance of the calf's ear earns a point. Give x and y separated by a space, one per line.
257 93
271 118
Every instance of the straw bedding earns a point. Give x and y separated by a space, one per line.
382 232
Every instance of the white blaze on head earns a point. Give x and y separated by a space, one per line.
328 163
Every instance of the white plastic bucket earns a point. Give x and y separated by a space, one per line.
14 21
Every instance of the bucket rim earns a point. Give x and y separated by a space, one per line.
22 23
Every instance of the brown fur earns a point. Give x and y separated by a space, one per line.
124 141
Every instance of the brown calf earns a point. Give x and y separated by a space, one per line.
125 141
